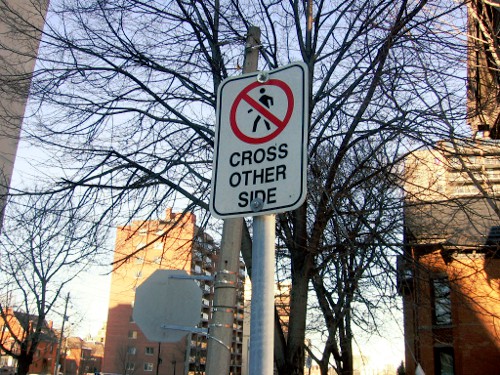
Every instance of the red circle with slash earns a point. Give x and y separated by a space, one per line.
262 110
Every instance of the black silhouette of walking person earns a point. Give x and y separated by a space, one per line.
267 101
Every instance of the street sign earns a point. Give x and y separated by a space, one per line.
260 156
167 298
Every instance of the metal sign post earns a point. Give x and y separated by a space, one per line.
262 308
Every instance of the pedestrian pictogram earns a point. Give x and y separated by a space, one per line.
267 101
260 152
269 106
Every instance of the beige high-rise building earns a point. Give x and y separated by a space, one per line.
176 243
21 22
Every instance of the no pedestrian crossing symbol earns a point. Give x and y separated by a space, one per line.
260 155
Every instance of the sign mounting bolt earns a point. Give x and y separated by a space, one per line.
263 77
257 204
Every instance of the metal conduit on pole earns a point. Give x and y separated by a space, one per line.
226 278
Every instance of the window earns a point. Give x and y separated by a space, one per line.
492 160
493 236
148 366
455 162
131 350
132 334
441 301
444 361
130 366
149 350
471 159
493 173
465 189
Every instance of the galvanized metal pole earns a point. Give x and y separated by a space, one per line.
262 308
226 279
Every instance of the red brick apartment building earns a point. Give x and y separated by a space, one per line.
450 273
172 243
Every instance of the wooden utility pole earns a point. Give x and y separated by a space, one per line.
226 278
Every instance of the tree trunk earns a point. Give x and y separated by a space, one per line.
23 362
302 263
297 325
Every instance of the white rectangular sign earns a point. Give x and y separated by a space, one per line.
260 155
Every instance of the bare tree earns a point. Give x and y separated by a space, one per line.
45 245
125 95
126 360
360 241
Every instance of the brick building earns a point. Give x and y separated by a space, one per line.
15 326
172 243
81 357
449 276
